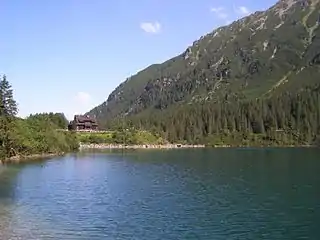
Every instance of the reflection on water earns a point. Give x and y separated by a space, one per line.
176 194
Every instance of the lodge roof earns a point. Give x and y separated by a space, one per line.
84 119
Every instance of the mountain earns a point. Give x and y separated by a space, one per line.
258 56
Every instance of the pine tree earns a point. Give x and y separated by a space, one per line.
8 110
8 106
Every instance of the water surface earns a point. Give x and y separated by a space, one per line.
174 194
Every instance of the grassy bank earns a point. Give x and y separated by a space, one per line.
128 137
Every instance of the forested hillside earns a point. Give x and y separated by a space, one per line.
248 77
287 119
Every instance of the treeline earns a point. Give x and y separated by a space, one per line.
59 119
286 119
33 135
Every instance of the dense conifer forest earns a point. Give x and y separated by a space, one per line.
284 120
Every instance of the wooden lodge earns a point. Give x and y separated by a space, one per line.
83 123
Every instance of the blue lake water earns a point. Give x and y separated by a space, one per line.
173 194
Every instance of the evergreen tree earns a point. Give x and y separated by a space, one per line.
8 106
8 110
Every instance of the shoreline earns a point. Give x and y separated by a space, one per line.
25 158
138 146
102 146
38 156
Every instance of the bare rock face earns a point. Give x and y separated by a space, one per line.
259 55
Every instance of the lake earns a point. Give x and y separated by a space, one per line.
169 194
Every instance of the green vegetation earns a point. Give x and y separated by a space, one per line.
285 120
34 135
129 137
58 119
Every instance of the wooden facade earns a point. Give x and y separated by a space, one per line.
83 123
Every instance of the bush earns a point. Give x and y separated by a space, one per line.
37 135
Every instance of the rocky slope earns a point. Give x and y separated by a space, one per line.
257 56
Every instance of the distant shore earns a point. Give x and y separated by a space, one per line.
138 146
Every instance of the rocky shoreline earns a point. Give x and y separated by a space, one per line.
140 146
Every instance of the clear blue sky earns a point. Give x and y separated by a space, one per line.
68 55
